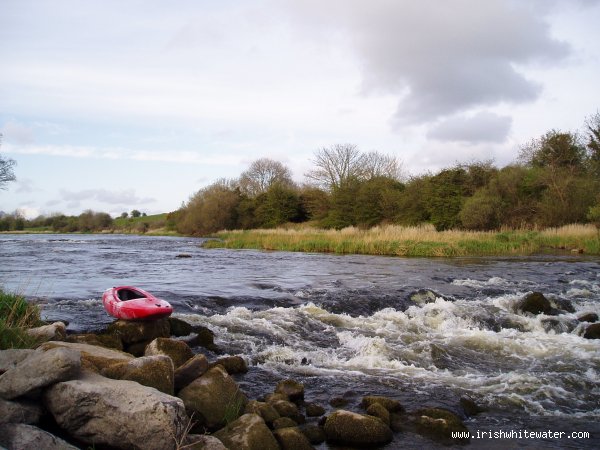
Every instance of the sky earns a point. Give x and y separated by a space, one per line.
116 105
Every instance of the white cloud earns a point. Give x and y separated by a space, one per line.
124 197
479 128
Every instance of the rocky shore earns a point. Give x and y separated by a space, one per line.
139 385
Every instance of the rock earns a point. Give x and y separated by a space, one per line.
202 442
291 438
270 398
152 371
248 432
592 331
214 398
349 428
188 372
266 411
558 326
39 370
562 304
378 410
178 351
137 331
470 407
314 410
137 349
292 389
338 402
11 357
56 331
93 357
283 422
204 338
587 317
232 364
102 340
19 411
27 437
390 404
117 413
179 327
313 433
535 303
183 255
288 409
437 423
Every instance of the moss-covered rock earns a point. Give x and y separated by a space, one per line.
204 338
232 364
291 438
349 428
188 372
248 432
93 357
588 317
180 327
131 331
314 433
153 371
283 422
378 410
438 423
292 389
266 411
178 351
390 404
314 410
214 398
288 409
102 340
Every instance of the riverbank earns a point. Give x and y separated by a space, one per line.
420 241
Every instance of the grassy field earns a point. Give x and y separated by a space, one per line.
422 241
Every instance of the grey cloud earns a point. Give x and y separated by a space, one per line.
480 128
18 133
125 197
441 57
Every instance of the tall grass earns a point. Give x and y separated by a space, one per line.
16 315
423 240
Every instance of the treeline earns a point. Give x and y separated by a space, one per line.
555 181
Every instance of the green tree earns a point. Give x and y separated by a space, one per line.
135 213
592 125
445 196
278 205
262 174
343 201
377 201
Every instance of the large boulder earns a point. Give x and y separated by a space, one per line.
188 372
117 413
264 410
178 351
93 357
13 356
39 370
349 428
232 364
288 409
152 371
27 437
249 432
24 411
131 331
103 340
56 331
214 398
390 404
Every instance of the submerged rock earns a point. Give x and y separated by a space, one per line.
349 428
388 403
559 325
424 296
588 317
292 389
314 410
116 413
438 423
470 407
39 370
592 331
248 432
535 303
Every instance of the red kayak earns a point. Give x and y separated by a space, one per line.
131 303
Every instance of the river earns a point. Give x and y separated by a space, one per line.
346 326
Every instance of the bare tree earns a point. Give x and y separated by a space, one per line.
337 164
380 165
262 174
6 169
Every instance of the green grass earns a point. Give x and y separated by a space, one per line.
421 241
16 315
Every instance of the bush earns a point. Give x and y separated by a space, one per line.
16 315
